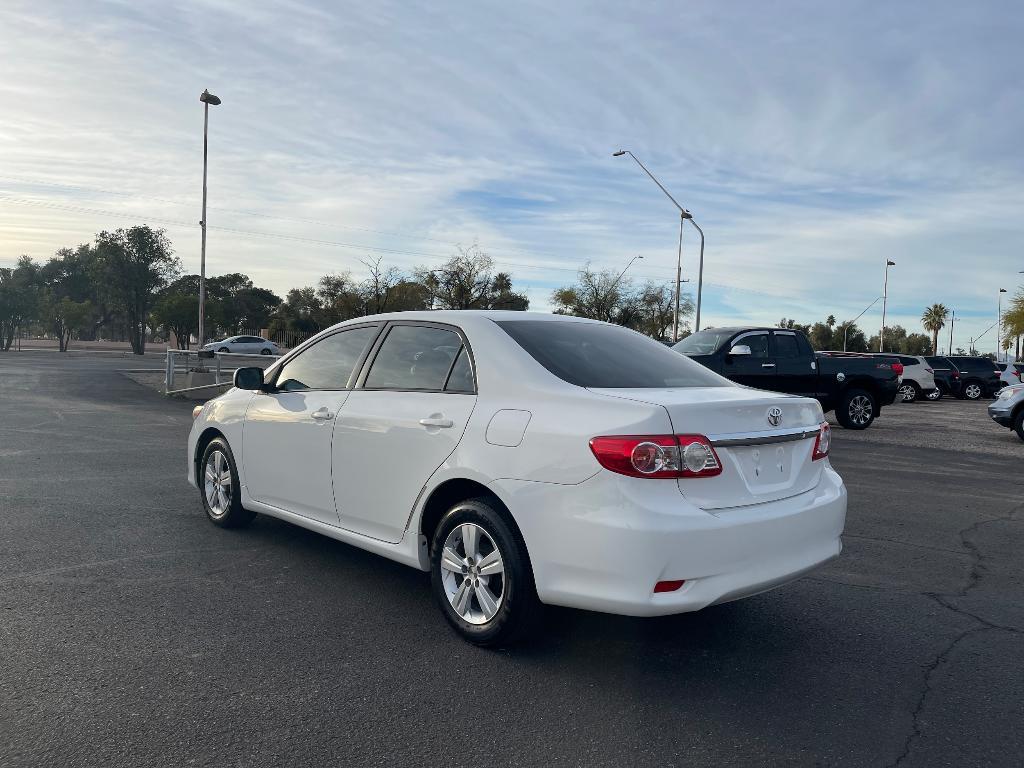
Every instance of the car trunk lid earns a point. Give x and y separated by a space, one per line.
764 441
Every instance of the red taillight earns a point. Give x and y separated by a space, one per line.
657 456
898 368
822 442
669 586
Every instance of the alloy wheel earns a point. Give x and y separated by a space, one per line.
860 410
973 391
217 486
907 393
935 394
473 573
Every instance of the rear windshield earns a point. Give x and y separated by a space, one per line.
703 343
607 356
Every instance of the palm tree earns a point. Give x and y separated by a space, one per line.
934 319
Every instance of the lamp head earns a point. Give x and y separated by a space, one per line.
208 98
890 263
620 153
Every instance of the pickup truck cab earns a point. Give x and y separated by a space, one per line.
782 360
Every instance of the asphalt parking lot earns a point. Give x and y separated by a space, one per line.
133 632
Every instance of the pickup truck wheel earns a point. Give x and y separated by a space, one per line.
856 409
973 390
909 391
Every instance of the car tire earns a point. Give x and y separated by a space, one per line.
264 351
222 499
934 395
909 391
973 390
469 534
1018 423
857 409
223 349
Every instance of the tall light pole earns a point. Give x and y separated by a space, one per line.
683 216
952 322
858 317
207 98
999 320
885 299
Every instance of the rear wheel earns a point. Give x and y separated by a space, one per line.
481 576
856 409
1018 423
223 349
264 351
934 394
219 487
909 391
973 390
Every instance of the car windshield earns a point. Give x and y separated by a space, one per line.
702 343
607 356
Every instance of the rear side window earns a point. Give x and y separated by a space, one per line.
414 357
461 378
909 360
607 356
328 364
786 345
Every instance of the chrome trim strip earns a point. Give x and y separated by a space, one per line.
763 438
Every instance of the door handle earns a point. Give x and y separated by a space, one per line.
437 421
322 414
767 365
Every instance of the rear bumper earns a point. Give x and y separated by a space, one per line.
602 545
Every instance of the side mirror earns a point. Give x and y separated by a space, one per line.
249 378
740 349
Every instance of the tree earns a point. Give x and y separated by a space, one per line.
791 324
65 316
1013 321
465 282
916 344
19 298
178 313
934 320
655 309
133 265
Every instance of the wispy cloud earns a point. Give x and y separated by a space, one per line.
811 140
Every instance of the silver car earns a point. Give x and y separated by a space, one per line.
1008 409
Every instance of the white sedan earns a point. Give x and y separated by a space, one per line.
244 345
525 459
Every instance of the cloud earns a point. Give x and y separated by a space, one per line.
812 141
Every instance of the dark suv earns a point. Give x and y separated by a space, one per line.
947 377
979 376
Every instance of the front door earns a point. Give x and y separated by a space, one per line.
756 369
288 430
399 425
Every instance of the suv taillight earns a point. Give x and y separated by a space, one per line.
897 368
657 456
822 442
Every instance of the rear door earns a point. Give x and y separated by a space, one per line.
405 417
756 369
795 364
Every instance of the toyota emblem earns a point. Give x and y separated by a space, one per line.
775 416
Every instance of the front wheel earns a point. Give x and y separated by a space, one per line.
223 349
1018 423
219 486
856 409
973 390
481 576
908 391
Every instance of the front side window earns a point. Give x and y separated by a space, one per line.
414 357
758 343
328 364
702 342
607 356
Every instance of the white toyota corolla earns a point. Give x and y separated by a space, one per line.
525 459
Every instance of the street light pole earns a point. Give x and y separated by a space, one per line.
700 277
999 320
952 322
207 98
885 300
858 317
617 279
683 216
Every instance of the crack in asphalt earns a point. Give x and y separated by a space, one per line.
974 577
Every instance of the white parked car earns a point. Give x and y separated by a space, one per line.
245 345
918 380
524 459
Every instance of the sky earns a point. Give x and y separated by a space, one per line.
811 141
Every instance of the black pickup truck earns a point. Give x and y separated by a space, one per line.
781 360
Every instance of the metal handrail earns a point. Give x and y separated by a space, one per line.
174 354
